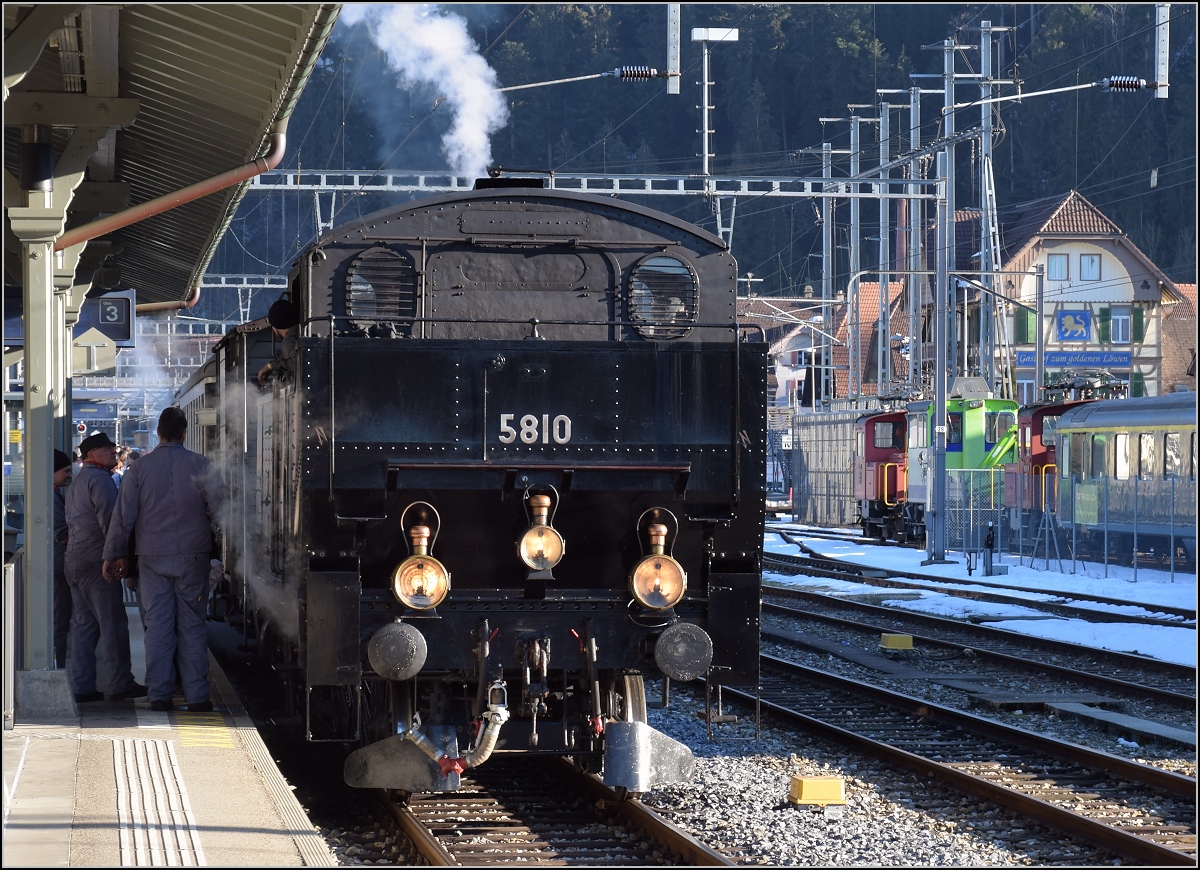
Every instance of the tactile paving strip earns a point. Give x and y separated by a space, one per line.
157 828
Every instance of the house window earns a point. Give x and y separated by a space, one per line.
1026 394
1057 267
1121 325
1089 267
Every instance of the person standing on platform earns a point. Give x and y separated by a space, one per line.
62 592
169 500
99 622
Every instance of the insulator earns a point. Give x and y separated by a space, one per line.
638 73
1124 83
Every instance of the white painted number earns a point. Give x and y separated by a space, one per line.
533 429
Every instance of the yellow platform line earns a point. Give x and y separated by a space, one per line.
204 729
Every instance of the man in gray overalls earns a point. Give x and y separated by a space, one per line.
169 498
99 609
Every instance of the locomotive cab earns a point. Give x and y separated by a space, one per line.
880 478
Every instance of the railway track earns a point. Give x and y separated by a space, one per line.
1121 673
1138 811
1047 601
542 812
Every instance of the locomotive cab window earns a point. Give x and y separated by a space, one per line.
663 295
888 436
996 425
954 428
1049 429
918 431
381 287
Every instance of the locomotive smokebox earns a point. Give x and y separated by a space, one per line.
683 652
397 651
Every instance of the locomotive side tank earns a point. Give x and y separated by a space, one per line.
519 465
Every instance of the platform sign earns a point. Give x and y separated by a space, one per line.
112 315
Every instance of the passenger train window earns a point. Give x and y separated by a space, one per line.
1192 469
954 429
1121 455
996 425
1147 458
1172 458
1099 464
1075 454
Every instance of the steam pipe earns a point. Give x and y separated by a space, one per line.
190 302
192 192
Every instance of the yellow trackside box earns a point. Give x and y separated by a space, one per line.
817 790
895 641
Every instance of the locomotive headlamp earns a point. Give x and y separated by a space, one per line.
541 547
420 581
658 581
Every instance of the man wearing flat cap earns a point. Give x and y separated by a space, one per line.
62 592
100 625
284 319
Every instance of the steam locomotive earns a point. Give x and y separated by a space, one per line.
519 465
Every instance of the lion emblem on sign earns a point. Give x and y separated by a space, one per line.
1073 326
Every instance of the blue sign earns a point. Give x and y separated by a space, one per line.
1074 325
1109 359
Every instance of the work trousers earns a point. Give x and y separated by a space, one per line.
175 595
100 629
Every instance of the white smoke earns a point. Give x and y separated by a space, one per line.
427 45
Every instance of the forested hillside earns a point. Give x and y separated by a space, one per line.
1132 155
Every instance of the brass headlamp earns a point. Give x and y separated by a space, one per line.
658 581
541 547
420 581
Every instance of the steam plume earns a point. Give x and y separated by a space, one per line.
428 46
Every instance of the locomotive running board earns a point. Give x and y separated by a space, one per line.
638 758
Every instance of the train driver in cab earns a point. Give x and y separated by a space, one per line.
284 318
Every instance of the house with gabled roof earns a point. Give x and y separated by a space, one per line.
807 336
1103 301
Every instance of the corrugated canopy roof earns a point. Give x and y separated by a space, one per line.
210 83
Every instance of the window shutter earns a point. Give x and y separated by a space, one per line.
1105 325
1139 323
1137 385
1021 326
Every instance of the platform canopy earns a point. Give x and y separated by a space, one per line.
138 101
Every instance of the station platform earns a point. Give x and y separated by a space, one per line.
119 785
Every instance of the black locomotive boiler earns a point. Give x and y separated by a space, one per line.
518 466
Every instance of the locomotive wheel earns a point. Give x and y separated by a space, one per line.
627 698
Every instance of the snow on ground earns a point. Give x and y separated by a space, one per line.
1150 589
